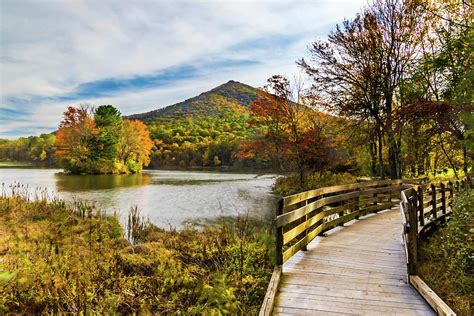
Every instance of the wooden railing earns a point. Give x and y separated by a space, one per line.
422 207
302 217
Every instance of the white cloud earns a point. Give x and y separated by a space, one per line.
49 48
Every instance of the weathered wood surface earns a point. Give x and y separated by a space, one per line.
357 269
431 297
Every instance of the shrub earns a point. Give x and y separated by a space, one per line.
447 257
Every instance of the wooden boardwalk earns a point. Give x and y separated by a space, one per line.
357 269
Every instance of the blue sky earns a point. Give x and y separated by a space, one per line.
143 55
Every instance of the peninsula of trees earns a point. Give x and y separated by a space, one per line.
101 142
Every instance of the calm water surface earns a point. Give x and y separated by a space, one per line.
168 198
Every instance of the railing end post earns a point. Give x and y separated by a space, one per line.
443 197
412 233
279 236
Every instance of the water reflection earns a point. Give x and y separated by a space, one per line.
78 183
167 198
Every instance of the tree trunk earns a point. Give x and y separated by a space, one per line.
379 134
421 166
399 154
392 143
392 154
449 159
373 156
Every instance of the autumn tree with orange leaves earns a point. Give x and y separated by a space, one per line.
101 142
134 145
292 135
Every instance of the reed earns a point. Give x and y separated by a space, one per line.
70 257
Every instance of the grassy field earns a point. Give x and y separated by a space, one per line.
57 257
447 257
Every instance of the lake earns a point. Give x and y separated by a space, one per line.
168 198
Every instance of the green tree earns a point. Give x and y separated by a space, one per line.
108 120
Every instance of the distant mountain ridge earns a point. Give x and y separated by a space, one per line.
231 97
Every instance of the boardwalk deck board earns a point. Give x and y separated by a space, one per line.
358 269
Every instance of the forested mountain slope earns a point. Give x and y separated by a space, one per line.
228 98
203 131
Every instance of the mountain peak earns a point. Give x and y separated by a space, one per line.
229 97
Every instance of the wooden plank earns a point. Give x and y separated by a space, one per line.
343 307
339 220
270 295
431 222
433 199
296 231
361 296
380 198
430 296
427 202
304 311
302 211
405 247
349 250
328 269
338 209
315 278
375 208
301 243
356 262
354 268
299 197
369 192
379 183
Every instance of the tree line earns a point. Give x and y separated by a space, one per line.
404 69
36 149
401 75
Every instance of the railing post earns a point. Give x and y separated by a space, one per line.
420 206
305 247
376 201
358 205
341 214
412 234
433 201
443 198
279 237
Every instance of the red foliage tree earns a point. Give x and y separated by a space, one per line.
292 133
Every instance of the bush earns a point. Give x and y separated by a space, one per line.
447 257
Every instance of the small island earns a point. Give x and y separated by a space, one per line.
100 141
